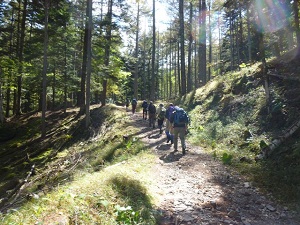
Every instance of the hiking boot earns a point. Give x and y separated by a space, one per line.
168 141
183 151
172 142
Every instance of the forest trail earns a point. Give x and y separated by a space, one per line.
195 189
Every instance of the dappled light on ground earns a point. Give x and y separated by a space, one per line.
196 189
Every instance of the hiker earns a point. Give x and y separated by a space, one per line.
152 111
145 106
133 105
127 104
180 120
169 127
161 113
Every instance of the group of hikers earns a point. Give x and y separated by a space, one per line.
175 118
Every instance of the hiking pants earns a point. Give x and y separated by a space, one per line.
169 130
133 109
160 124
145 113
179 132
152 120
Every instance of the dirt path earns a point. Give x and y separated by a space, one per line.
196 189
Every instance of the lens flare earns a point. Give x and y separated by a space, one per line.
271 15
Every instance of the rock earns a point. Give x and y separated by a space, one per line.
247 184
233 214
187 218
270 208
213 204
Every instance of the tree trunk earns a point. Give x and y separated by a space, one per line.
135 86
157 67
189 73
210 45
170 67
152 90
8 90
20 54
182 48
231 33
144 68
65 76
178 70
264 70
44 83
89 66
249 41
278 141
82 94
107 49
53 89
202 44
1 99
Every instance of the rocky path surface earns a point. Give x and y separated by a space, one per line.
195 189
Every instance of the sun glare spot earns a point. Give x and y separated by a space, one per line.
271 15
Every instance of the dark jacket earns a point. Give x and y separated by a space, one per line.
145 105
152 108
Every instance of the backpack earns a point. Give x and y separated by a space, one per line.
180 117
161 114
169 112
152 108
134 102
145 105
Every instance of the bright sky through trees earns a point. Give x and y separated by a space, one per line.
161 15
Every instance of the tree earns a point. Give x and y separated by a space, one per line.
89 60
189 77
107 48
44 83
1 99
152 91
20 54
202 42
182 48
135 86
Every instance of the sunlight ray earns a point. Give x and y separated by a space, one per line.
271 15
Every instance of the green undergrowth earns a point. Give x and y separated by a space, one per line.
95 198
229 119
101 176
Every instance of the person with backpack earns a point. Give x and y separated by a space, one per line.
133 105
152 112
180 120
169 127
161 112
145 106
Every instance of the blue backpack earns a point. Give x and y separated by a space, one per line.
181 117
169 112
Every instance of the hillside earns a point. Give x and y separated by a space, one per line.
230 117
71 166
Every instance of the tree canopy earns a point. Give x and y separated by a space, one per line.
130 55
